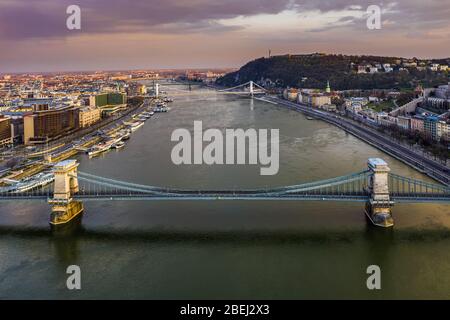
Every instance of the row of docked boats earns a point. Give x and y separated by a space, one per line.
134 125
37 181
137 122
114 142
161 107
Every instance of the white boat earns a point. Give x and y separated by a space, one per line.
136 125
96 151
126 135
37 181
118 145
161 109
101 147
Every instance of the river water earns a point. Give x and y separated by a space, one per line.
226 249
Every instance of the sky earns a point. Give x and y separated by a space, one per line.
151 34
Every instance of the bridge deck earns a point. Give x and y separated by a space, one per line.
229 195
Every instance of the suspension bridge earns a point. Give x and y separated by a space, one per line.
249 88
376 186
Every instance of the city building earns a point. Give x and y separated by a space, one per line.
5 131
431 127
142 90
443 92
410 64
387 67
107 99
404 122
329 107
443 131
291 94
318 100
354 107
385 120
136 89
355 104
434 67
362 69
88 116
38 103
41 126
417 124
438 104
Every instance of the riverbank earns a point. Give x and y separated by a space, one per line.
65 149
236 247
431 168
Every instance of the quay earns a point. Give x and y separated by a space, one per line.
429 167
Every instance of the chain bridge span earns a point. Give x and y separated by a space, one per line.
376 186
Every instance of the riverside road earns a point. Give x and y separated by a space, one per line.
432 168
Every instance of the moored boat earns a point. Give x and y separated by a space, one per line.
118 145
101 147
136 125
126 135
37 181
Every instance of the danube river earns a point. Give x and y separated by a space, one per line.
225 249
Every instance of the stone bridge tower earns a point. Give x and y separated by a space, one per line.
378 208
64 208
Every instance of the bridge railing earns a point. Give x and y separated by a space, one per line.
353 184
13 193
403 186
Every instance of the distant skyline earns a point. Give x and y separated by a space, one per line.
183 34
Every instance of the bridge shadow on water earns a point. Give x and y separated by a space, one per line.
76 231
68 243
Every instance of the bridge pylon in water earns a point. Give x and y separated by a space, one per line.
378 208
64 207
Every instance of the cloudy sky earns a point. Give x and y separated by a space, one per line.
132 34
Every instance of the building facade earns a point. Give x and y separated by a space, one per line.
404 122
417 124
318 100
5 131
436 129
107 99
88 116
40 126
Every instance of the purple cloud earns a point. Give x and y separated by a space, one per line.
22 19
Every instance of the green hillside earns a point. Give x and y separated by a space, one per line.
314 70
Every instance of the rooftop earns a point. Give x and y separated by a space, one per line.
66 163
377 162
